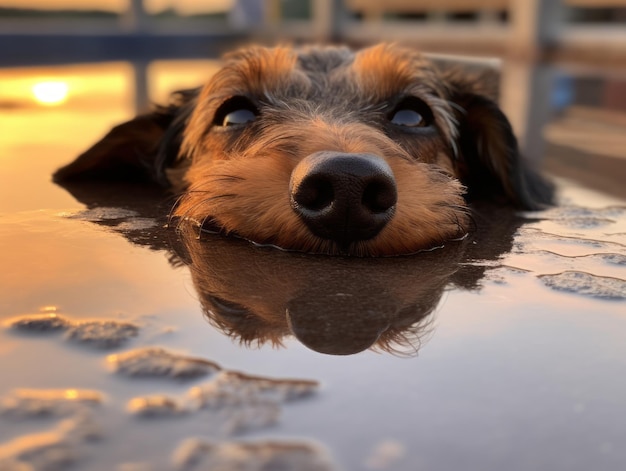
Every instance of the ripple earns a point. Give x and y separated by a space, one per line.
157 405
98 333
503 273
232 388
157 362
103 214
56 449
102 334
601 287
531 234
39 323
236 402
195 454
574 212
137 224
612 258
584 222
613 211
608 258
48 402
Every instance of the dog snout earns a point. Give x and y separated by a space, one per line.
343 197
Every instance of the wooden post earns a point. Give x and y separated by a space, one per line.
527 81
326 17
142 98
272 15
135 19
535 26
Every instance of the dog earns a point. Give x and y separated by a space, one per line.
323 149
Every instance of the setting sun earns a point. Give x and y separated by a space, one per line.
50 93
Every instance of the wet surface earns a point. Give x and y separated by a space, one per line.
128 345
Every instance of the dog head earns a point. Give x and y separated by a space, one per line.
375 152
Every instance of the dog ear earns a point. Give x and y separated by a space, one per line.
489 162
139 149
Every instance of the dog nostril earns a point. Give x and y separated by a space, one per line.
314 193
343 197
379 196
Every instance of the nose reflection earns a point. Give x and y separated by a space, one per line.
340 323
331 305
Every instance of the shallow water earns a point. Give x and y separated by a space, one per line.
502 351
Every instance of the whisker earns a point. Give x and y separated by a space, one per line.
184 216
228 177
170 215
179 198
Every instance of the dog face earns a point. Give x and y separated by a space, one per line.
326 150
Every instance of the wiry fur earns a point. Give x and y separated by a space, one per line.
329 99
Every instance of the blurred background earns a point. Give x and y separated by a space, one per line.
562 62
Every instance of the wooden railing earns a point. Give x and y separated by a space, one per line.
535 37
133 35
535 29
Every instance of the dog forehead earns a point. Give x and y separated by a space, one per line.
324 60
323 76
374 74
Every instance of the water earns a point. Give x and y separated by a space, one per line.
502 351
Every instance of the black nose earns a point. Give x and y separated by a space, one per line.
343 197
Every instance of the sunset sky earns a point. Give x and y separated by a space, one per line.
182 6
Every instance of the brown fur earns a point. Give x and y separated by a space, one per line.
333 100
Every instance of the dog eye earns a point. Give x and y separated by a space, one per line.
242 116
411 113
408 118
235 111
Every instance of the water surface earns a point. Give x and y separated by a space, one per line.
502 351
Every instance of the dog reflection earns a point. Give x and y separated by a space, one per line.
332 305
335 305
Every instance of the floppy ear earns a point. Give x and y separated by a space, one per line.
139 149
490 164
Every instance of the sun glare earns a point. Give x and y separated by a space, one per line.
50 93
